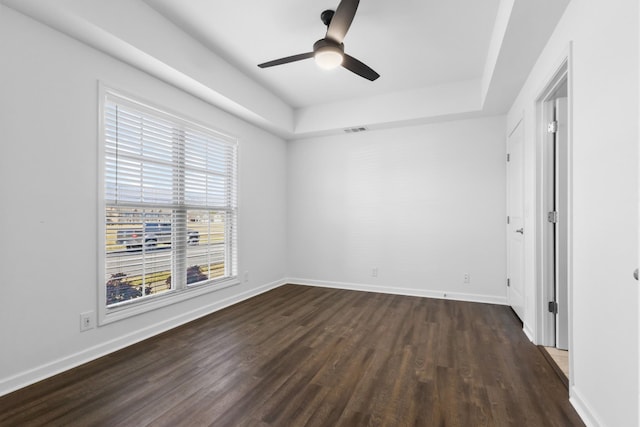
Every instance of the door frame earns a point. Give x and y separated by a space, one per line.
545 321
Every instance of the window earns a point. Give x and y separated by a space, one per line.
170 205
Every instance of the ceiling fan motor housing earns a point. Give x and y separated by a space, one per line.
328 44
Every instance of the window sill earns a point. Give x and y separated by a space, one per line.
137 307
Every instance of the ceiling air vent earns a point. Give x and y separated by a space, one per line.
354 130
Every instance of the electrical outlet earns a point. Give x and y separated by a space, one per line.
86 321
374 272
246 277
467 278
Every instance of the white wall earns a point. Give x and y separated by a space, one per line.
423 204
48 193
604 84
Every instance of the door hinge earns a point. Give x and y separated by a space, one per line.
508 157
553 307
552 217
552 127
508 220
508 282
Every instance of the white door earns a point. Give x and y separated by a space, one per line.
515 221
561 228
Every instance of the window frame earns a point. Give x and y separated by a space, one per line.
135 307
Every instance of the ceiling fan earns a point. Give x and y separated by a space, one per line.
329 51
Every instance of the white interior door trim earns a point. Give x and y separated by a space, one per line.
545 327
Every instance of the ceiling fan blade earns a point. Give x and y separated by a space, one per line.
342 19
355 66
286 60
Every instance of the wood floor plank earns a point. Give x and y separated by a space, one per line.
306 356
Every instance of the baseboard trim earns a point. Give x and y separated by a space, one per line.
583 409
456 296
528 332
32 376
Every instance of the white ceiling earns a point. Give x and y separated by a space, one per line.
438 59
410 43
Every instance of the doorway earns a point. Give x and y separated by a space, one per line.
557 216
554 217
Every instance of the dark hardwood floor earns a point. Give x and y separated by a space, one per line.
304 356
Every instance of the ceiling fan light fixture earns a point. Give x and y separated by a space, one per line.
329 57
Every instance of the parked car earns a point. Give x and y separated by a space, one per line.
152 235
